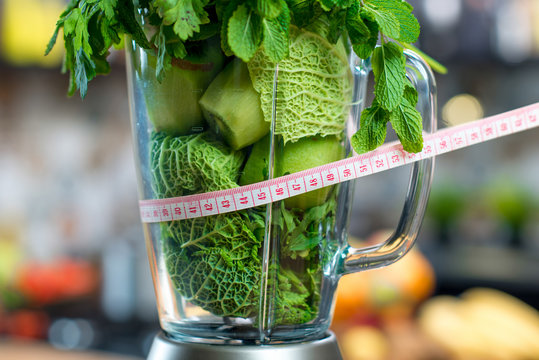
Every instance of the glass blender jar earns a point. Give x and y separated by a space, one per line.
258 282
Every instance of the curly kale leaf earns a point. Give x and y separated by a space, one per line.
213 262
314 90
192 164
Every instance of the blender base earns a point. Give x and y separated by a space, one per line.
164 348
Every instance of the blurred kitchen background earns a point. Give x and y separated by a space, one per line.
73 266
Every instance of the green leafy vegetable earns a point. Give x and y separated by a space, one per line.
247 28
186 16
192 164
215 262
372 132
314 88
244 32
388 66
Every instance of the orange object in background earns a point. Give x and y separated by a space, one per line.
25 324
43 284
381 294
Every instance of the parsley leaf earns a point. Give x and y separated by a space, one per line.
185 15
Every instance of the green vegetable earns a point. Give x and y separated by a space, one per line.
215 262
232 107
314 87
257 166
261 32
304 252
173 103
192 164
307 153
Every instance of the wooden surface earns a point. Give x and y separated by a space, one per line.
27 350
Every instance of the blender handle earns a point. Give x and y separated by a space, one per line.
402 240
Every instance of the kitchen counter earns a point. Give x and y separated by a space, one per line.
28 350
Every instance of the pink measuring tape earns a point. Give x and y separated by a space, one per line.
386 157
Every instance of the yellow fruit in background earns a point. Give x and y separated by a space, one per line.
482 324
25 29
11 253
364 343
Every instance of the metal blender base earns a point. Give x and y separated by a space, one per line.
165 349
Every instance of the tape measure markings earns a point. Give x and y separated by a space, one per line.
388 156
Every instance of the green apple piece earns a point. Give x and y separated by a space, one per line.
232 107
173 103
307 153
257 165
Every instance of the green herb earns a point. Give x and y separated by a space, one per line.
248 28
304 253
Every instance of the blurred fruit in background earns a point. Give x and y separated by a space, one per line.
32 287
482 324
25 30
61 280
375 310
378 295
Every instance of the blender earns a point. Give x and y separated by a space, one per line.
258 283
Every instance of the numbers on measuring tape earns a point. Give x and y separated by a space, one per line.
386 157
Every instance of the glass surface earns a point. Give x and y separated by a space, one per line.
266 274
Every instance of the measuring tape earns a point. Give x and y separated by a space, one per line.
386 157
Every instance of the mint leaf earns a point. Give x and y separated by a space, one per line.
410 93
185 15
269 9
328 5
363 33
407 123
337 23
372 131
244 32
229 9
408 24
388 66
386 20
276 36
304 12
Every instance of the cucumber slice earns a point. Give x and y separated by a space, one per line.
173 104
232 107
